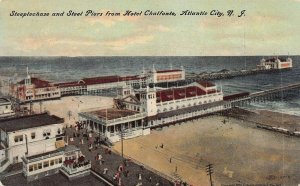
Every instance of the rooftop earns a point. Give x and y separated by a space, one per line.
55 152
67 84
102 79
206 84
112 113
165 71
4 100
274 59
181 93
25 122
39 83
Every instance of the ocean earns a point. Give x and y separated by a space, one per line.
60 69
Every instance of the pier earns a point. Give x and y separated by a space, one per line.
222 74
241 99
228 74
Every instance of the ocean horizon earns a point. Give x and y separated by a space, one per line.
62 69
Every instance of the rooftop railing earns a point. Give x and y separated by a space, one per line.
71 170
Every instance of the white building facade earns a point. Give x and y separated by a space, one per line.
6 108
30 135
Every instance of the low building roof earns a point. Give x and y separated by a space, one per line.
39 83
101 80
68 84
46 154
206 84
112 113
4 100
25 122
165 71
181 93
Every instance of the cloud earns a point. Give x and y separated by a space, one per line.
160 28
121 44
34 43
72 46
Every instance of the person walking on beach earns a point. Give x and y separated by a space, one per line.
171 160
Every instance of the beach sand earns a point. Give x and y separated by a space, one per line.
75 104
239 152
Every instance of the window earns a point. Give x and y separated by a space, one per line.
46 164
51 162
60 160
47 132
18 138
56 161
35 167
30 168
40 166
33 135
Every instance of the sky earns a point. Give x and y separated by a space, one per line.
269 27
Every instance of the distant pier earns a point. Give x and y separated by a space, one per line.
228 74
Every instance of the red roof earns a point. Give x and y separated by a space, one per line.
39 83
67 84
163 71
127 78
101 80
206 84
109 79
180 93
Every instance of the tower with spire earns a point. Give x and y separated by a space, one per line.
28 77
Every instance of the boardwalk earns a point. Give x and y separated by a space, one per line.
129 172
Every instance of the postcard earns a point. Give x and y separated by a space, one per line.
198 92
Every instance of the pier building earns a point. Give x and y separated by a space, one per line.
275 63
33 89
159 76
137 111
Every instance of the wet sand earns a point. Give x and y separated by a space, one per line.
239 152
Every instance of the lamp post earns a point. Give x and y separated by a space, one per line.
209 170
122 145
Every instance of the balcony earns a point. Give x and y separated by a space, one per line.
73 170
